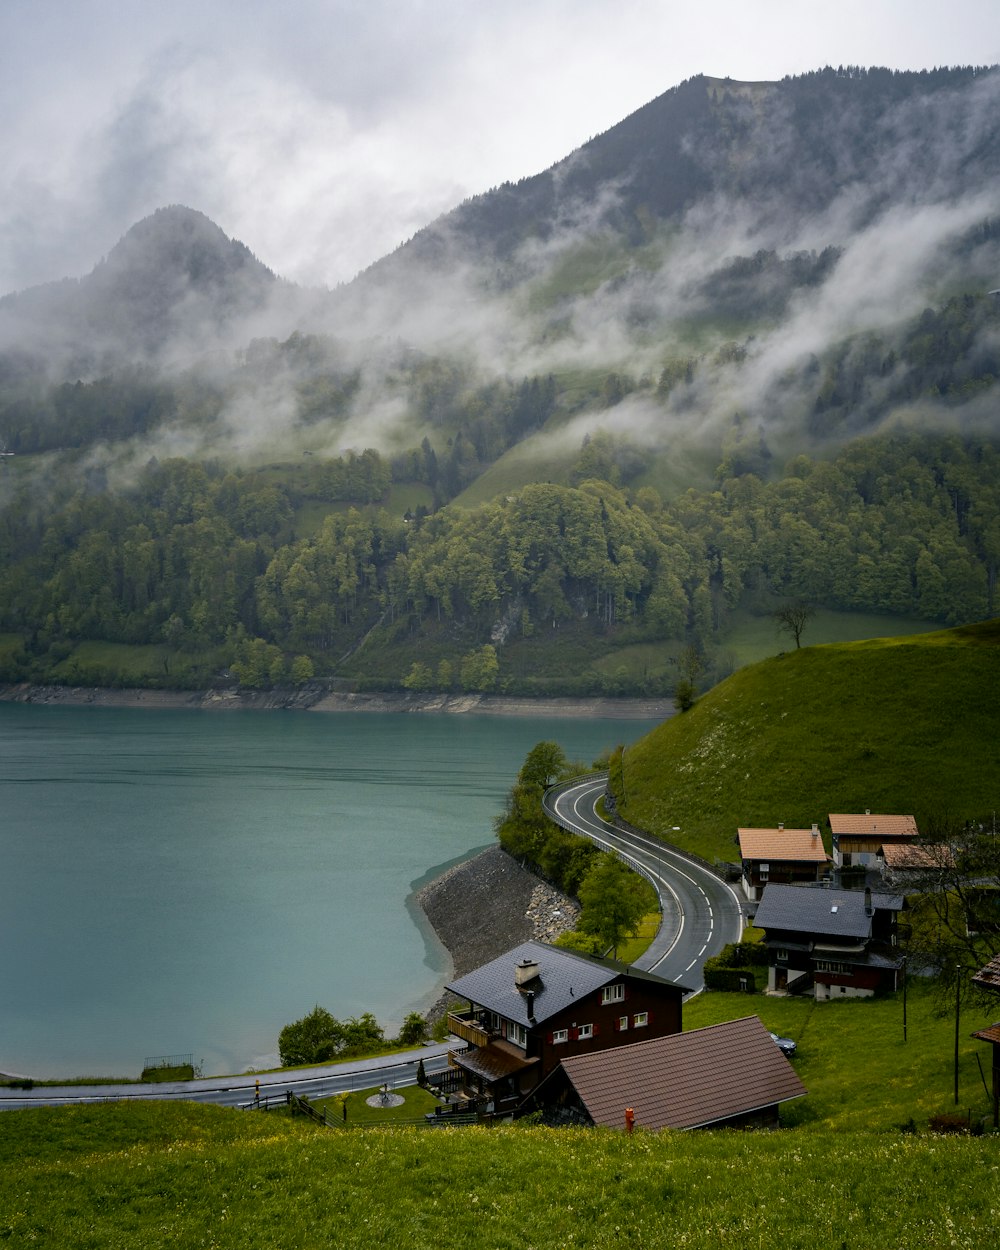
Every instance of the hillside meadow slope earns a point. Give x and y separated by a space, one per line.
893 724
200 1176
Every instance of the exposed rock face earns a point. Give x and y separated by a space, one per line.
486 905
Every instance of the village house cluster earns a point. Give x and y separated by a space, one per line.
590 1041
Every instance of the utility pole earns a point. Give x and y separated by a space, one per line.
958 1001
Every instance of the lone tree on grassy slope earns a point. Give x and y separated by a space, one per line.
793 618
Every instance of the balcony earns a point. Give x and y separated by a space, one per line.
469 1027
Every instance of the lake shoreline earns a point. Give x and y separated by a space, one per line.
315 698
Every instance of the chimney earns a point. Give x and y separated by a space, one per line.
815 831
529 1003
781 825
868 900
524 971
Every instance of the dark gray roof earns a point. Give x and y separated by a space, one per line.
563 978
835 913
687 1080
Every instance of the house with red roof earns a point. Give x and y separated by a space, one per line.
857 838
783 855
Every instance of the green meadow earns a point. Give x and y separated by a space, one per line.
902 724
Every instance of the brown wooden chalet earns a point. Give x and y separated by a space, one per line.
724 1076
782 855
988 978
538 1004
837 943
857 838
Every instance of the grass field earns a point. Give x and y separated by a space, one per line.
905 724
845 1176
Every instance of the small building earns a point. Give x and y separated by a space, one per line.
988 978
907 867
538 1004
781 855
857 839
728 1075
838 943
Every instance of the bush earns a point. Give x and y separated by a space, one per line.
719 976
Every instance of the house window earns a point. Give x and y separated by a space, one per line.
517 1034
781 956
613 993
622 1023
764 871
585 1030
640 1019
560 1035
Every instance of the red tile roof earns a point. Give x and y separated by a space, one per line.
873 825
991 1034
687 1080
789 845
933 855
989 977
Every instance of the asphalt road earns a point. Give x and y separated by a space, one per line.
701 913
240 1091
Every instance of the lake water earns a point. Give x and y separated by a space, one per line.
189 882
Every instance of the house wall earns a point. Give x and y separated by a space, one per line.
861 984
662 1006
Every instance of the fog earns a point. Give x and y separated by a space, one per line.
900 245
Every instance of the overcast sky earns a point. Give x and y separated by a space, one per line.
323 133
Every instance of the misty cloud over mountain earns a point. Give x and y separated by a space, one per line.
726 252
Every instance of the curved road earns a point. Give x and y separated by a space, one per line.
701 913
240 1091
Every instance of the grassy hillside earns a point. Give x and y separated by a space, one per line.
894 724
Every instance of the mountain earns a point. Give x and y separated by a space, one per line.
174 278
742 349
778 154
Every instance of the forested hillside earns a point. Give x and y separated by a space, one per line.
741 350
207 562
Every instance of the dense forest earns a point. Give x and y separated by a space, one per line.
195 557
740 351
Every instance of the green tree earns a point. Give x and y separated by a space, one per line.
613 901
362 1034
315 1038
302 670
543 765
419 677
480 669
414 1030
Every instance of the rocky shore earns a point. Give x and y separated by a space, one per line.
487 904
317 698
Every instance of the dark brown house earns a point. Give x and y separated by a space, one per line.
728 1075
539 1004
837 943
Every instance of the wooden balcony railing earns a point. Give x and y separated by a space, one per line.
468 1029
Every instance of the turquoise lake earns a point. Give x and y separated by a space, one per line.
188 882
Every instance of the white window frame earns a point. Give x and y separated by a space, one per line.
585 1031
613 993
640 1020
517 1034
559 1036
622 1024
